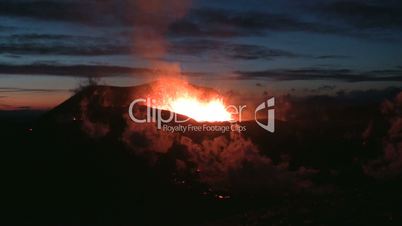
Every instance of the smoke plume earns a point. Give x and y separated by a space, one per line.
390 163
152 21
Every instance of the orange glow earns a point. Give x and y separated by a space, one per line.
202 111
199 104
33 100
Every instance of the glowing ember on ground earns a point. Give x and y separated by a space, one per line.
180 97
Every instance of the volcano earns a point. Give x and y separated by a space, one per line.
104 110
91 152
86 162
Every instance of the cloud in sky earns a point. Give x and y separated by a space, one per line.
310 74
75 45
73 70
49 10
54 44
6 28
19 90
199 47
346 75
229 23
250 39
364 14
333 17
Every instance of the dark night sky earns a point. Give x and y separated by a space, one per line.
48 47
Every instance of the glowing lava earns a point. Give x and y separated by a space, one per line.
199 104
202 111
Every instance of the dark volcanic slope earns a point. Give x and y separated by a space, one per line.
99 97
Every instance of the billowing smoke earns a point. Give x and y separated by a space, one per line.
217 157
390 163
147 138
152 21
94 129
229 161
234 162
